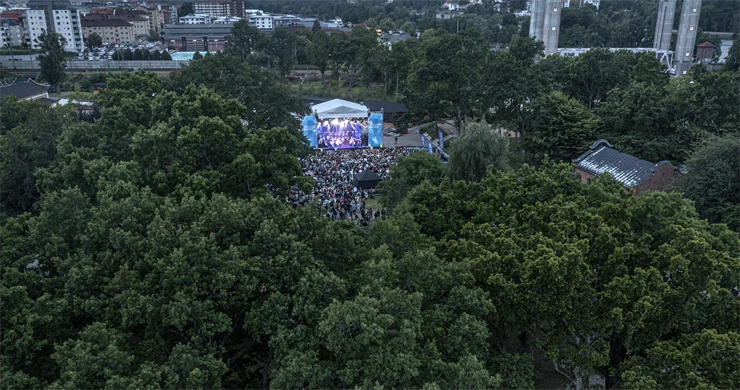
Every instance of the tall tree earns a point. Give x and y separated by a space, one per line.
712 180
268 100
94 40
479 149
243 40
282 47
558 126
444 78
52 59
186 9
732 62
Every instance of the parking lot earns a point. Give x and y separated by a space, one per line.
106 52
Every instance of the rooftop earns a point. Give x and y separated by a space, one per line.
626 169
104 22
21 89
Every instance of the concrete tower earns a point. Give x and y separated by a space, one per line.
551 26
664 25
538 16
684 53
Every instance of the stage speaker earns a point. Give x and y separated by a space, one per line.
309 130
375 130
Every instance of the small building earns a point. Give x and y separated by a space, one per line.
632 172
705 53
23 90
389 38
195 19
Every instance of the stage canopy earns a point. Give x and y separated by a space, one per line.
339 108
367 179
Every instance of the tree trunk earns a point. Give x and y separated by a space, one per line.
617 353
266 370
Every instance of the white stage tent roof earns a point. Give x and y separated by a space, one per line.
338 108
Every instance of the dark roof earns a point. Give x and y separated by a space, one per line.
368 175
89 22
49 100
22 89
626 169
706 44
377 105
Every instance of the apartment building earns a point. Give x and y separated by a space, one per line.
111 30
141 21
57 16
262 21
12 33
220 8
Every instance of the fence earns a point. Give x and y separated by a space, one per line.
100 65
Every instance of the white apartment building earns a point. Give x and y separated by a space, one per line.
57 16
11 33
261 21
195 19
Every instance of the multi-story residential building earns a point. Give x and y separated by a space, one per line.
169 14
57 16
262 21
12 33
195 19
220 8
141 21
111 30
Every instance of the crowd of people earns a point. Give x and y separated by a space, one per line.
334 171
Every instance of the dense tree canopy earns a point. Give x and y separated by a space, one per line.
151 247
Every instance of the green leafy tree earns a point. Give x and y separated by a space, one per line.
732 62
153 36
644 120
268 99
52 59
559 126
479 149
128 55
243 40
320 50
186 9
316 26
410 171
695 361
156 55
29 142
166 56
712 180
197 55
282 46
409 27
94 40
137 55
444 78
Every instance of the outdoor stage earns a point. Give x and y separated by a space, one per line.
340 124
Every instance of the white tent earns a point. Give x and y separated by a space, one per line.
338 108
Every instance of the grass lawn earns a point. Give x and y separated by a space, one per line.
373 203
